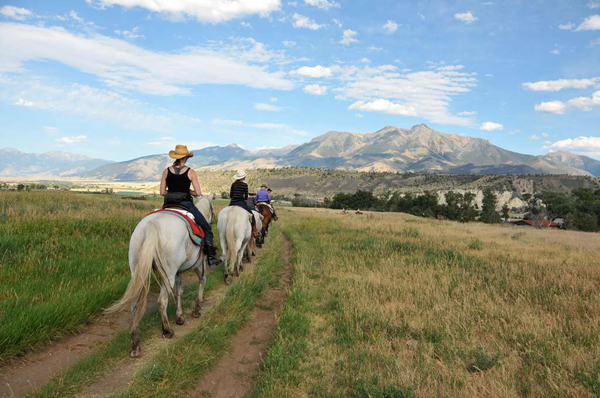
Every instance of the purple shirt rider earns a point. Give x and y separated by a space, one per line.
263 196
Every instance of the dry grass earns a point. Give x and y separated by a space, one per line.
391 305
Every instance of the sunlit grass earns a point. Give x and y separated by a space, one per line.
396 306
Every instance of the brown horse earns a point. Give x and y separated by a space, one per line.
268 216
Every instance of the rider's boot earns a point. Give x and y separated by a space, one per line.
211 253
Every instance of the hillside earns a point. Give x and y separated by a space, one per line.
14 163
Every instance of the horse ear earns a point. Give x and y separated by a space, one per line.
211 196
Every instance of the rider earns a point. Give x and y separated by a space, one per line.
270 191
239 195
175 187
263 196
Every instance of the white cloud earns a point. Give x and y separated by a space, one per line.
130 34
583 145
273 99
586 103
594 4
555 51
23 102
246 24
567 26
315 89
467 113
20 14
266 107
534 137
590 23
384 106
337 23
300 21
121 64
561 84
390 26
426 93
72 140
557 107
323 4
314 71
466 17
513 132
211 11
289 43
93 103
348 37
491 126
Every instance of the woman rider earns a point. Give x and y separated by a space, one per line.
239 195
175 187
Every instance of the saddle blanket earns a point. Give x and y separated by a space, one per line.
196 233
265 204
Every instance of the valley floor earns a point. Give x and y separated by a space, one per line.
380 305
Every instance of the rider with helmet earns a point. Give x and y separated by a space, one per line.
239 196
175 187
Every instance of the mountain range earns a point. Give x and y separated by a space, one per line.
418 149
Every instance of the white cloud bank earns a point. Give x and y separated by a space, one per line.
583 145
314 71
551 107
122 64
466 17
561 84
211 11
20 14
387 89
582 103
72 140
491 126
590 23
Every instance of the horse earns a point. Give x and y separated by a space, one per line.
254 243
161 244
235 231
204 204
265 211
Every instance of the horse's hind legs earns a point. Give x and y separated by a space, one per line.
199 271
135 341
180 320
163 301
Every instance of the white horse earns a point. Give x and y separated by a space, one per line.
235 231
254 243
161 243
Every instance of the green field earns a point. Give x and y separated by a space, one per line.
381 305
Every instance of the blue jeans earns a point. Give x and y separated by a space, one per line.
201 221
244 205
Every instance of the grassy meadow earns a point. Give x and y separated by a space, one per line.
391 305
63 257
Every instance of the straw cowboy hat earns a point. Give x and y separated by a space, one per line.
180 152
240 174
264 186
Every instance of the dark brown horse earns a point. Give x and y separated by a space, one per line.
266 213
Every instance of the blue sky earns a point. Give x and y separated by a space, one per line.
118 79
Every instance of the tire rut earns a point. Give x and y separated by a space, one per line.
235 373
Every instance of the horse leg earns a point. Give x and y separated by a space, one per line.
180 320
199 271
163 301
135 340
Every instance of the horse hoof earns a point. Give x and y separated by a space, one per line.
196 314
135 352
228 279
180 320
168 334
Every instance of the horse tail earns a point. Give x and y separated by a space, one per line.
231 247
149 258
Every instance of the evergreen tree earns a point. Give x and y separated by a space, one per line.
488 208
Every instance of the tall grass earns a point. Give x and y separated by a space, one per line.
396 306
62 258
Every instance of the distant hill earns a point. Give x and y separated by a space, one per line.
14 163
419 149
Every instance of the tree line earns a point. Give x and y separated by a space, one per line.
579 208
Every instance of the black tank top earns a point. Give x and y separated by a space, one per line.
178 182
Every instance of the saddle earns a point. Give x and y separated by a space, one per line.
265 204
196 233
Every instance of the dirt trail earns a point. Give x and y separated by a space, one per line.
25 374
234 375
